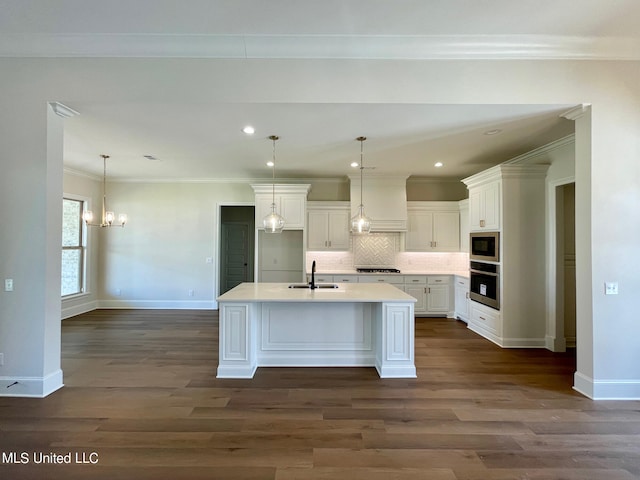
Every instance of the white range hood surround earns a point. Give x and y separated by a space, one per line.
384 199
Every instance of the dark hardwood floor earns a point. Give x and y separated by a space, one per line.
141 400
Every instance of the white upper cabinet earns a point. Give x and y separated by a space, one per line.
433 227
484 207
290 200
328 226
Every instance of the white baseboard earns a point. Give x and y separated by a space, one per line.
606 389
159 304
37 387
78 309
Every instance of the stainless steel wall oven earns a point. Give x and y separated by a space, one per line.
485 283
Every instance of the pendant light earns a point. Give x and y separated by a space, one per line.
360 223
108 217
273 223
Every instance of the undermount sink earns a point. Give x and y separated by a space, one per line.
318 285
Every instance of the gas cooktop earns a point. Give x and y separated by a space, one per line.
377 270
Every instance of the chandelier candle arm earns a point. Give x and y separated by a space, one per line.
273 223
108 216
360 223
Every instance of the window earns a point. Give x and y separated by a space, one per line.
73 247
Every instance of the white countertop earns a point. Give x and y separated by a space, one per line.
346 292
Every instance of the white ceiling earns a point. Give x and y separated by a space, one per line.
317 140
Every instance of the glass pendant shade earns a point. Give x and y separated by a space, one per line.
360 223
273 223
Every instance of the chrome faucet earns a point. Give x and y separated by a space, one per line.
312 283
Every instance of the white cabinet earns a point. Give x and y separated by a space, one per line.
345 278
484 207
328 228
433 227
397 280
290 200
431 292
486 322
461 294
416 286
438 297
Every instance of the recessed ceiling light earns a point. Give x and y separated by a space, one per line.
249 130
355 164
270 163
495 131
438 164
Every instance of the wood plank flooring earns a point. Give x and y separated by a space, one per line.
141 396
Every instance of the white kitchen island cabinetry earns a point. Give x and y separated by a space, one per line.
353 325
433 227
328 226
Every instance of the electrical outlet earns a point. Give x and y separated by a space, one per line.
1 359
191 293
118 292
8 284
611 288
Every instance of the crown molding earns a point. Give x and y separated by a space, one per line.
375 47
541 151
62 110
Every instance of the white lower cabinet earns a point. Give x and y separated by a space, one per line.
431 293
461 294
485 321
419 292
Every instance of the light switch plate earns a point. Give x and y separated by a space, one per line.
611 288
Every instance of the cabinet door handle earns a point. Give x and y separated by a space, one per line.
381 280
415 281
429 290
482 318
467 294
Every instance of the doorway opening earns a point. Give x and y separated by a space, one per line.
566 263
237 224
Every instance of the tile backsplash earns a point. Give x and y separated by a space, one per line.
383 250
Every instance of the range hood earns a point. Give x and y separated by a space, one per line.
384 199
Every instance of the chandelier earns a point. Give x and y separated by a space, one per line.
273 223
360 223
108 217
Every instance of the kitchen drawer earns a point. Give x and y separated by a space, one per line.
321 278
415 280
486 319
393 279
345 278
462 282
439 279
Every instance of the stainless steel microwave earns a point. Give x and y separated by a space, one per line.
484 246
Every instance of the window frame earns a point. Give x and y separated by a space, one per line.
81 247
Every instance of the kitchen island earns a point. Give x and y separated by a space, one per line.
272 325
